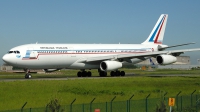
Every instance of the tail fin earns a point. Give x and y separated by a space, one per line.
151 62
157 34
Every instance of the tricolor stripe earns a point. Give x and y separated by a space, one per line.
157 31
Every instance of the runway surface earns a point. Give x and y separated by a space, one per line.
97 77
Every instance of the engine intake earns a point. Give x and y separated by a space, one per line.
110 65
166 59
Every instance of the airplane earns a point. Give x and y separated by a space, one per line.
103 57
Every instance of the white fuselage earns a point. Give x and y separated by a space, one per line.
58 56
46 56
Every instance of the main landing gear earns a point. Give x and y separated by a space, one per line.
84 73
27 75
112 73
102 74
117 73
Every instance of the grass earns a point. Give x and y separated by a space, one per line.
73 73
13 94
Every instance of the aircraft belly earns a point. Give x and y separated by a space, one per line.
84 66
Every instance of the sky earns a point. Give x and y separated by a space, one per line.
97 21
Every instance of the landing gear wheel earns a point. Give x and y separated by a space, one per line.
112 73
79 74
117 73
89 74
122 73
27 76
103 74
84 74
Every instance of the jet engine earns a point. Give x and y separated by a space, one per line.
166 59
110 65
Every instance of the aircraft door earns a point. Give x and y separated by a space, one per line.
33 54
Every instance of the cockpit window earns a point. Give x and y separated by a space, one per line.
10 52
16 52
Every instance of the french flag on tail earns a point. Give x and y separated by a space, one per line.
157 34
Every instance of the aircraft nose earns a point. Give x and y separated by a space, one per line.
5 58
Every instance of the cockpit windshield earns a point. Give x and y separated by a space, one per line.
15 52
10 52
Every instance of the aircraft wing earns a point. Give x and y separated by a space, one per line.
163 48
147 54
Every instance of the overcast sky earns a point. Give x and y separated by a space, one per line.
97 21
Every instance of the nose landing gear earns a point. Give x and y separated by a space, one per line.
27 75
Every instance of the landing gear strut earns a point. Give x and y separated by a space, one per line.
84 73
